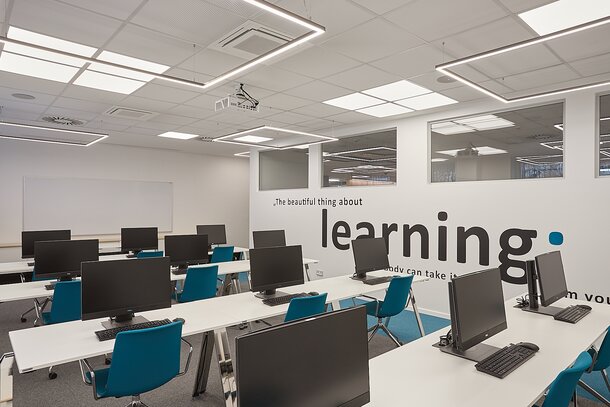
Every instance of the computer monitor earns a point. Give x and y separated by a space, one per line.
138 239
268 238
547 272
476 303
62 258
119 288
370 254
320 361
217 234
184 250
275 267
29 237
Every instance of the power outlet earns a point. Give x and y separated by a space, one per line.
320 273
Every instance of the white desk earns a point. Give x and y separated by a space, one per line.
433 378
50 345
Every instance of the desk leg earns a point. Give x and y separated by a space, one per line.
226 285
6 379
420 325
307 272
203 367
225 363
336 305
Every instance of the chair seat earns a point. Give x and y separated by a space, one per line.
101 378
371 308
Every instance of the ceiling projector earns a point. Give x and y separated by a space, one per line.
240 100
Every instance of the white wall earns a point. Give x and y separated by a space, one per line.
575 205
207 189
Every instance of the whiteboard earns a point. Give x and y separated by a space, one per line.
96 206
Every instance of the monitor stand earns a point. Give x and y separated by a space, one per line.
477 353
552 311
270 294
123 320
132 254
360 277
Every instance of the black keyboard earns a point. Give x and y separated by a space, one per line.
504 361
572 314
108 334
377 280
285 299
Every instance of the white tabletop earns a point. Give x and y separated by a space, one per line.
433 378
41 347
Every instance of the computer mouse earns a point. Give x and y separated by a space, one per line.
529 345
312 293
587 307
179 320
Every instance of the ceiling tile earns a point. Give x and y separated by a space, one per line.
72 114
81 92
156 106
63 21
193 21
519 6
41 98
362 77
416 61
289 118
541 77
120 9
173 119
203 101
434 19
592 66
165 93
284 102
319 110
275 79
309 63
211 62
79 104
430 81
584 44
382 7
11 106
464 94
191 111
30 84
515 62
372 40
318 91
349 117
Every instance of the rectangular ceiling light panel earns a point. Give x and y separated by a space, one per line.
177 135
46 134
274 138
562 14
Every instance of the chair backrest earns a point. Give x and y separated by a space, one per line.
144 254
603 355
222 254
200 283
66 302
396 297
144 359
561 390
303 307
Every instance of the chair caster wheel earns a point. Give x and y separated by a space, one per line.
107 361
24 319
52 376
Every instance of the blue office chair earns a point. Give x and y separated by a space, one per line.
199 284
601 362
303 307
563 388
393 304
144 254
143 360
222 254
66 307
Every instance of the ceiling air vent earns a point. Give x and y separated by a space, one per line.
129 114
250 39
66 121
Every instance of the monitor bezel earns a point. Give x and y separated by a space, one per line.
134 249
189 261
281 284
23 232
257 232
224 228
63 274
544 301
368 270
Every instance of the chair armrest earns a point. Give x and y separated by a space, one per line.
188 359
374 299
84 365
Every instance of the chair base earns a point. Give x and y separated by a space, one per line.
136 402
594 393
380 325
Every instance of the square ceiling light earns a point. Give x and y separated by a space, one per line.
274 138
485 122
449 128
177 135
562 14
354 101
396 91
385 110
427 101
484 150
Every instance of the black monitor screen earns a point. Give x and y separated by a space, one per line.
119 287
63 258
330 351
136 239
216 233
186 249
275 267
268 238
370 254
477 307
29 237
552 279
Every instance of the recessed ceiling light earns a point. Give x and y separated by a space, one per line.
37 68
397 90
484 150
177 135
252 139
385 110
354 101
438 160
563 14
109 83
50 42
449 128
427 101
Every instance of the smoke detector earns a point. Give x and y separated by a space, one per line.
65 121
